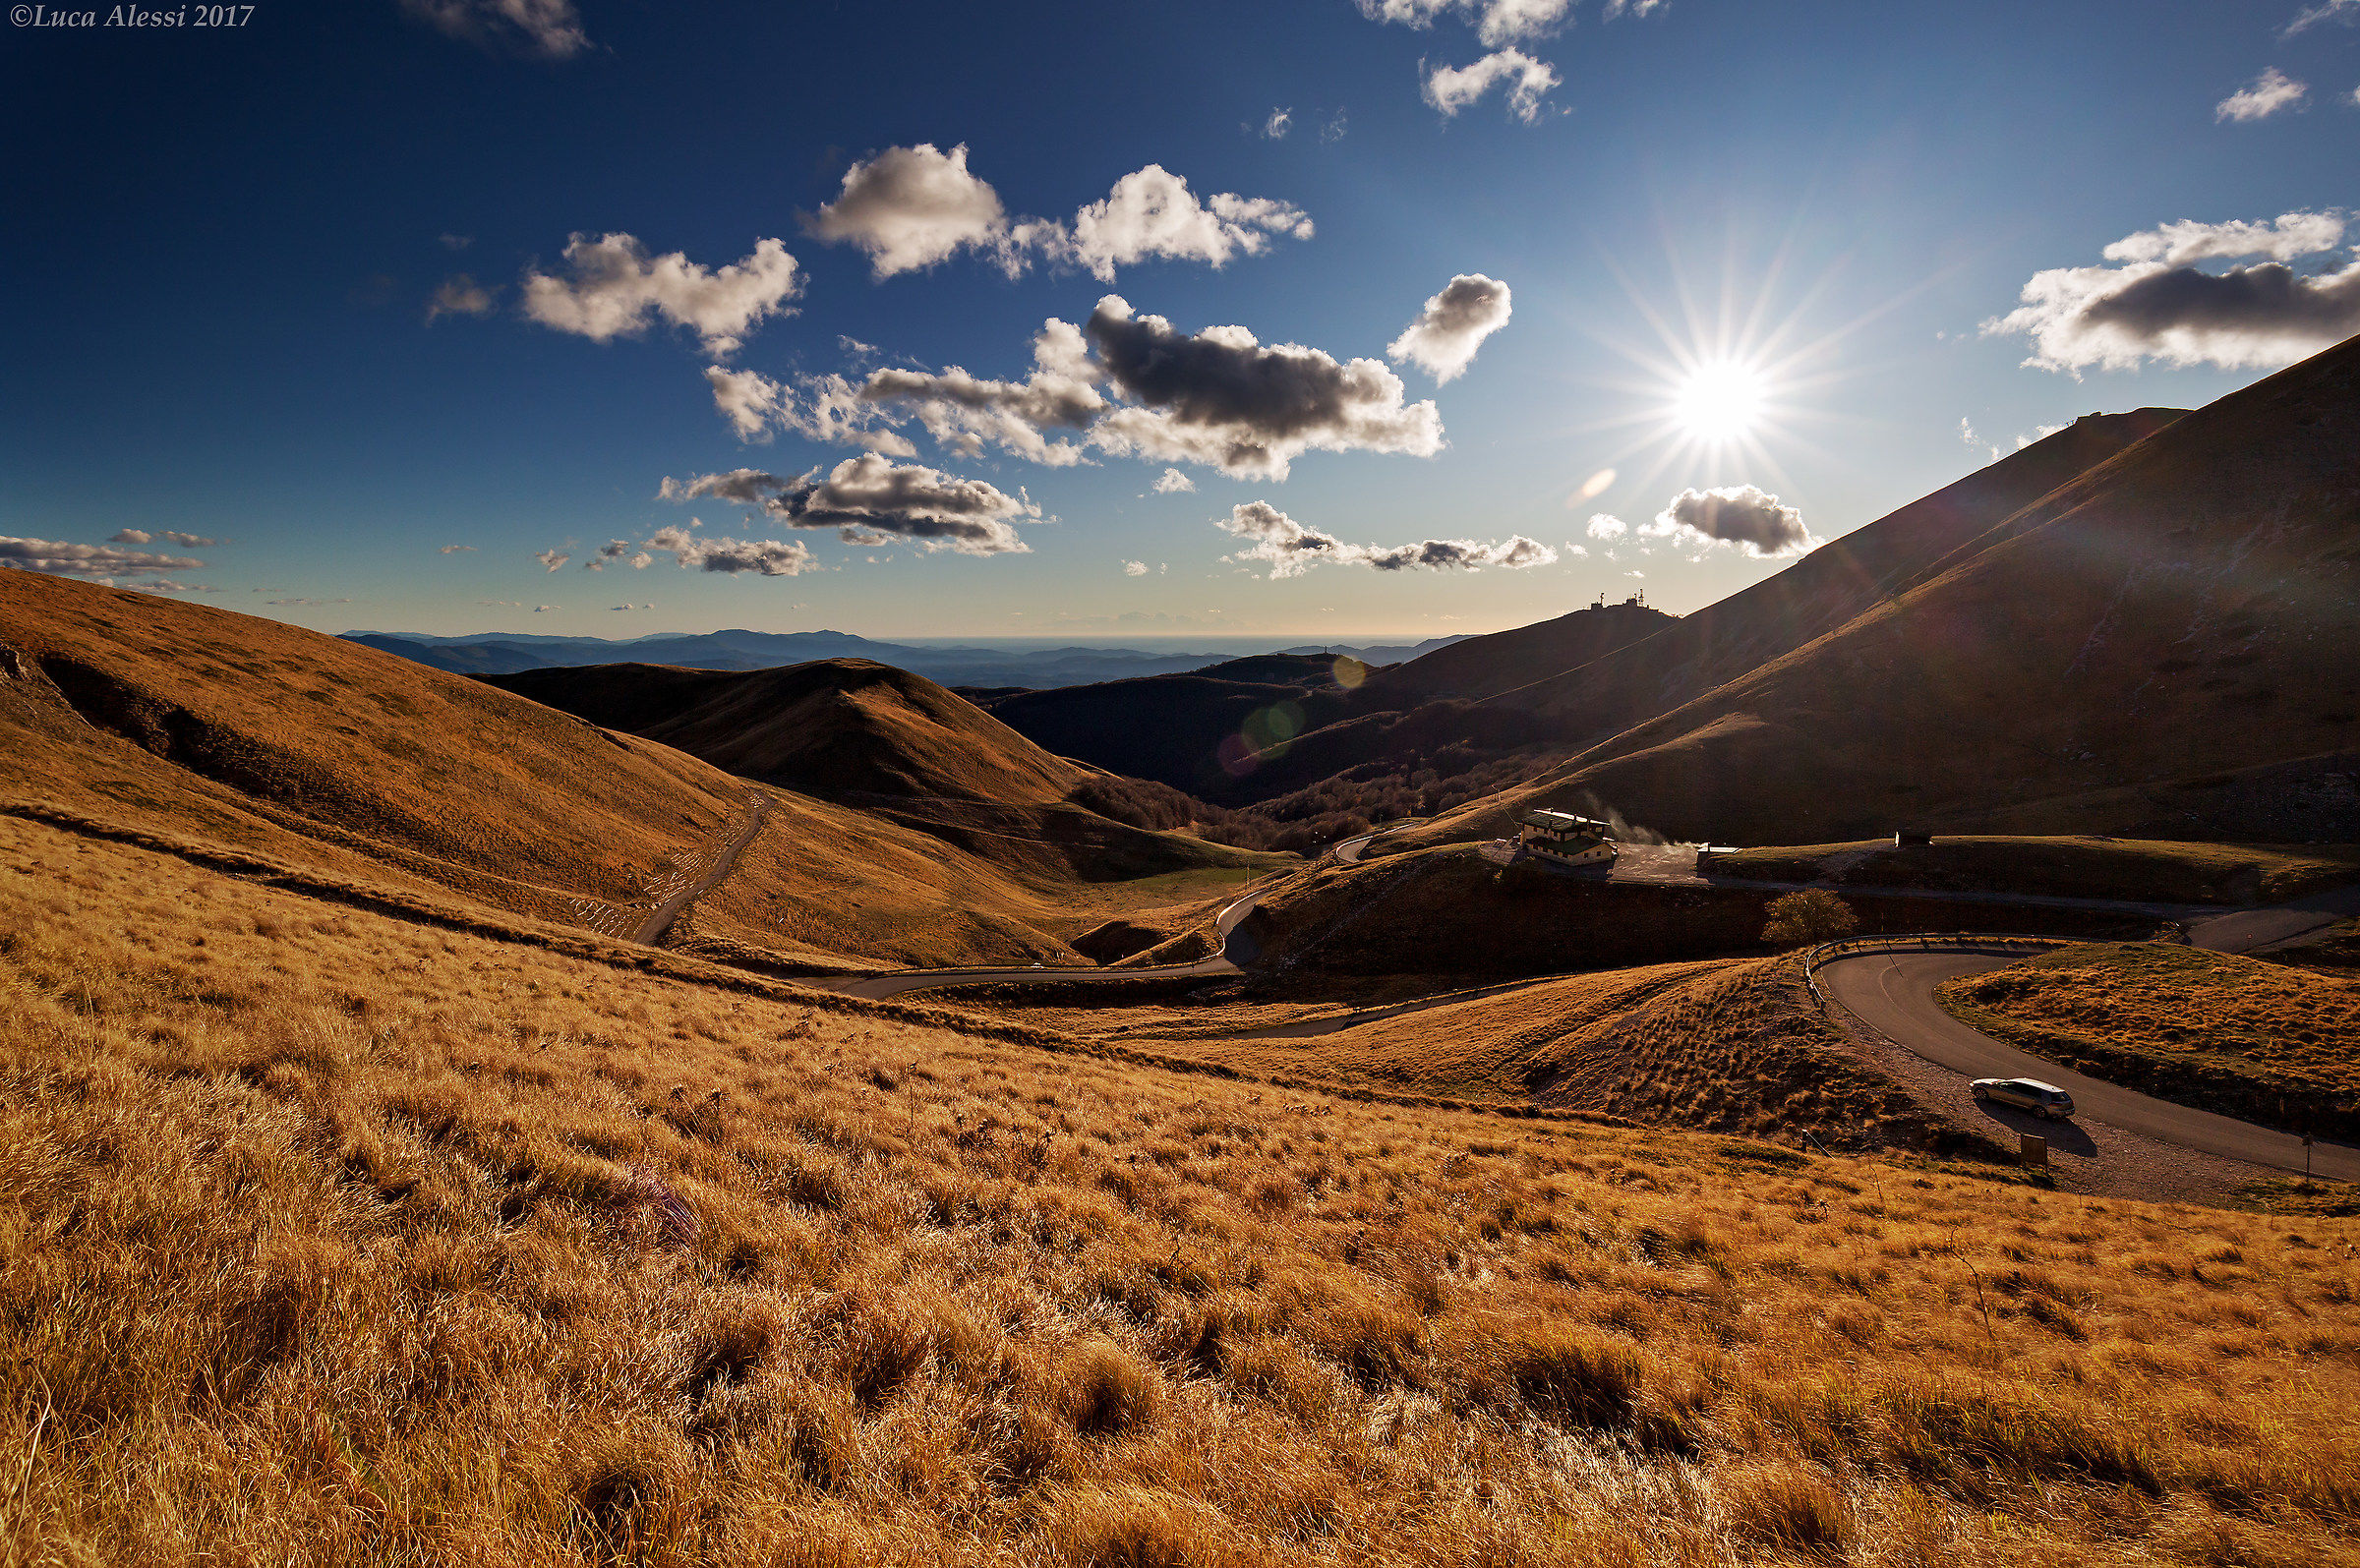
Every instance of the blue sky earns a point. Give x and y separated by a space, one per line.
223 244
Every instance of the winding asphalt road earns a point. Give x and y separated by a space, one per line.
1893 993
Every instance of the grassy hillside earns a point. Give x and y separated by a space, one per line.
337 1240
2271 1042
2167 615
2136 869
183 718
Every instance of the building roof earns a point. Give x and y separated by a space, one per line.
1563 822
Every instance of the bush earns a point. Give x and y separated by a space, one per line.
1807 918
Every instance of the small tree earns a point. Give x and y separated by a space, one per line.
1808 919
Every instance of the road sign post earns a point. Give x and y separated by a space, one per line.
2032 1150
2306 1159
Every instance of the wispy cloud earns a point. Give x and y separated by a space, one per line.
2265 96
1290 548
547 27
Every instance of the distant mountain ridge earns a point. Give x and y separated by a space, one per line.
512 653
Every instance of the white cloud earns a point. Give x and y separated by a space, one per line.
615 288
1451 88
140 536
1967 432
103 562
2268 93
630 606
1135 568
542 609
868 499
2285 238
1636 8
1153 214
820 408
1495 21
1174 483
453 549
1759 523
1453 325
2260 316
911 207
1290 548
1607 528
553 558
2324 11
1279 124
460 295
548 28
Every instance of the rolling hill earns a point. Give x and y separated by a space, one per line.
900 749
2128 654
128 712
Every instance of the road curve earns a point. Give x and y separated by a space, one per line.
1893 993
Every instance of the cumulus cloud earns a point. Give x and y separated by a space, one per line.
2260 316
613 288
1495 21
1755 522
630 606
1607 528
1290 548
1451 88
102 562
453 549
911 207
553 558
1221 397
2267 94
1171 482
1135 568
460 295
1443 340
907 502
549 28
1153 214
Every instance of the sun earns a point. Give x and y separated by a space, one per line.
1720 402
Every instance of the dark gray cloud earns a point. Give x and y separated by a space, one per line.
767 557
1759 523
1290 548
1220 396
933 510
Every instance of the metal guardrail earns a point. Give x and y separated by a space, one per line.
1915 942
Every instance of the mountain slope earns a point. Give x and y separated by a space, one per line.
899 747
2183 611
186 719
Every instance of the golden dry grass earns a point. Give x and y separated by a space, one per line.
330 1237
2212 1028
